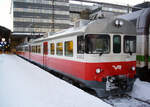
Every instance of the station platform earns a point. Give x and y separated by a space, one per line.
23 84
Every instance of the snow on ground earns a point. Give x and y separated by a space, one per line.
141 90
25 85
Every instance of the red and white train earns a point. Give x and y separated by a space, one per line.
100 54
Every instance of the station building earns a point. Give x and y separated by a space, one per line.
5 39
39 16
97 9
109 10
34 18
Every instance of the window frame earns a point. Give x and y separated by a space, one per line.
99 35
66 48
120 44
83 40
124 43
62 49
51 48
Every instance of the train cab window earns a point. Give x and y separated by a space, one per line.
59 48
130 44
52 48
116 43
80 44
69 48
97 44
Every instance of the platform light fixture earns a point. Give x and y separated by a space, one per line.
3 39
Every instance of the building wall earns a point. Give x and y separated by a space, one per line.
109 10
105 9
76 10
36 15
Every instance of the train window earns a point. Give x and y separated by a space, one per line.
69 48
116 43
59 48
130 44
26 49
52 48
32 48
38 49
97 44
80 44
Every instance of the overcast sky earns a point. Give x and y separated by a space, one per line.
6 18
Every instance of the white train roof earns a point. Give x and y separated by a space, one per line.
100 26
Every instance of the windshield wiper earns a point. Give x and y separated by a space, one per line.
101 53
130 52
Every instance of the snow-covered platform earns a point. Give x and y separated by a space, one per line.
24 85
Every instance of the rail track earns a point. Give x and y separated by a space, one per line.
126 101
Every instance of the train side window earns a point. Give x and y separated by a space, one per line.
69 48
38 49
52 48
80 44
59 48
116 43
32 48
26 49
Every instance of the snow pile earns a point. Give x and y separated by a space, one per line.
141 90
25 85
127 102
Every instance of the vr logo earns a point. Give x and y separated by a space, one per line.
118 67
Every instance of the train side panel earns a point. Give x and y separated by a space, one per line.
74 68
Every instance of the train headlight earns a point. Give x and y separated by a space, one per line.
98 70
133 68
121 23
117 22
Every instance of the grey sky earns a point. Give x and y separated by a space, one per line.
6 17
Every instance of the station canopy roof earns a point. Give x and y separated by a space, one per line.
4 32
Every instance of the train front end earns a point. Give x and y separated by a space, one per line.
111 58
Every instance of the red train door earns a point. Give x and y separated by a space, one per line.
45 53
